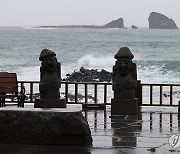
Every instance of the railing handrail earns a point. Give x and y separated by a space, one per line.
101 83
158 84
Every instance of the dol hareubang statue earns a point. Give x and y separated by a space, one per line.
50 82
124 75
124 83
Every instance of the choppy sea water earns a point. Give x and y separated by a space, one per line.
156 52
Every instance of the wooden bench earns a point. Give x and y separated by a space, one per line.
9 89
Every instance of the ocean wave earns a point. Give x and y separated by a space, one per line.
97 61
159 71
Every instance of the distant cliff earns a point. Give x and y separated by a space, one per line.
119 23
160 21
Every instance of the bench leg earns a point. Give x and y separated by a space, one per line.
21 101
2 102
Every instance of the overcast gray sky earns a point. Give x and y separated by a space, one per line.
88 12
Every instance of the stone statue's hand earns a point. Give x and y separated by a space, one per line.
117 87
55 84
128 84
43 87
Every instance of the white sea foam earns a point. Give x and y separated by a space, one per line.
29 74
145 73
156 74
96 62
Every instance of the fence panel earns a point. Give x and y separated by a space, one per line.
96 92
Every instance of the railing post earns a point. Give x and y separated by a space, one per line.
76 92
85 93
22 87
66 92
31 91
151 89
95 93
105 94
160 95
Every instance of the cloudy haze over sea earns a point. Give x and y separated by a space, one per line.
84 12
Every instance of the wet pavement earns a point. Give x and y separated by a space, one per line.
143 133
148 132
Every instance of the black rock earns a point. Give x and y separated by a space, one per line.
105 76
119 23
134 27
160 21
86 75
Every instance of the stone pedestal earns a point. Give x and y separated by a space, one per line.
124 106
38 126
50 103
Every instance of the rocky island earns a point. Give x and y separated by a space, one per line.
160 21
119 23
156 21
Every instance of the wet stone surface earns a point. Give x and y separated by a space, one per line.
133 134
138 134
44 127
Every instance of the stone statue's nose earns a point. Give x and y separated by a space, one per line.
123 64
49 62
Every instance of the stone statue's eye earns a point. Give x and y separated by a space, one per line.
51 58
126 62
120 62
45 60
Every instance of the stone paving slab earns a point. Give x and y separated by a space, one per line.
140 134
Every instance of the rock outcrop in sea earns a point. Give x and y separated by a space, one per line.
160 21
86 75
134 27
119 23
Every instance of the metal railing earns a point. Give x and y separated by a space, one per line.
159 94
96 92
74 92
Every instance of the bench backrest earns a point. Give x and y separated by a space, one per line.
8 82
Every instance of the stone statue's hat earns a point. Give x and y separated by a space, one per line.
45 53
124 52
